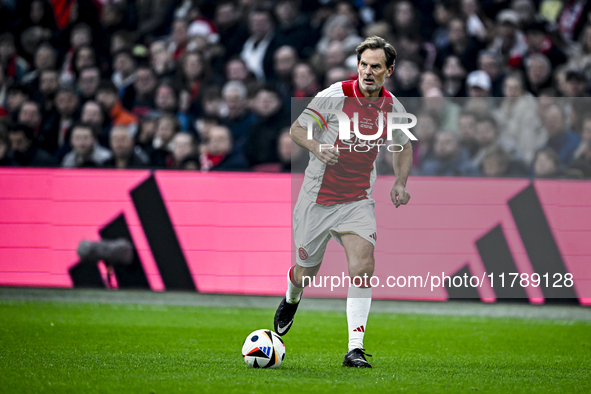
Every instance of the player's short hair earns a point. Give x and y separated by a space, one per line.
376 42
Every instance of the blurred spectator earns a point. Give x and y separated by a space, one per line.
16 95
338 28
107 97
454 75
84 57
193 73
467 129
284 61
304 81
183 147
335 56
168 99
88 82
29 114
153 17
80 36
217 153
409 46
488 137
403 17
13 65
124 67
293 158
577 84
406 75
93 114
236 70
239 118
429 80
45 59
294 28
446 111
518 118
539 42
48 86
572 18
477 23
161 60
581 57
460 44
425 131
4 144
546 164
179 38
449 158
147 130
257 51
563 141
497 163
67 103
538 73
211 101
509 41
443 12
168 126
489 62
23 150
339 74
582 156
526 10
86 151
478 84
233 31
140 98
125 153
261 146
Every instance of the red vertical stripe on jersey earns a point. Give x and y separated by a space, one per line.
349 179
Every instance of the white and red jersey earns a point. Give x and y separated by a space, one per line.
352 178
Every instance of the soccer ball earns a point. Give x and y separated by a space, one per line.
263 349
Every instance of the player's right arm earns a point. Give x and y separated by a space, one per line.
327 155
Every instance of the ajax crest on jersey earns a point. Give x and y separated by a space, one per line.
263 349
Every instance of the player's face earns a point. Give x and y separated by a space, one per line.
373 71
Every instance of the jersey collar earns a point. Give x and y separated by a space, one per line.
365 102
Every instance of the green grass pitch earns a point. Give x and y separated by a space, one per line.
130 348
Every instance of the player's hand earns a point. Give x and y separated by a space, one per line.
328 156
399 195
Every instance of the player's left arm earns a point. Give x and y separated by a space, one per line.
402 162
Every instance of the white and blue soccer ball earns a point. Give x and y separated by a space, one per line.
263 349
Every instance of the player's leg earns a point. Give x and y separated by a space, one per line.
361 266
311 235
298 278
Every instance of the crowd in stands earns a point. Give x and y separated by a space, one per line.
499 87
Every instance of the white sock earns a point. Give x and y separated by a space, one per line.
294 291
358 305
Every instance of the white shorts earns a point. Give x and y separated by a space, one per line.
315 224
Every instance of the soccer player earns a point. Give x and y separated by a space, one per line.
335 198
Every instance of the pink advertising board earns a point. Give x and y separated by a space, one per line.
234 229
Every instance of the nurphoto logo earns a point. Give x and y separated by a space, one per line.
362 142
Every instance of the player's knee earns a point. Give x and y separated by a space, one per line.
305 275
363 267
